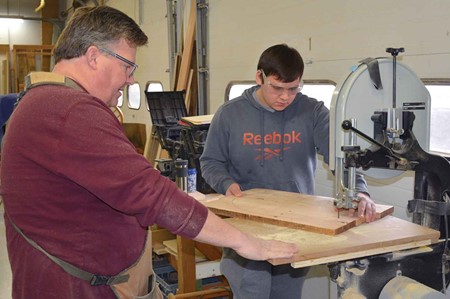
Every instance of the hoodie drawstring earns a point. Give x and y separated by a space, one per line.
261 119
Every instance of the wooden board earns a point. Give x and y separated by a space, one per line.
171 247
188 49
198 120
187 99
310 213
382 236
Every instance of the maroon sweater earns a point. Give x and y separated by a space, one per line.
72 181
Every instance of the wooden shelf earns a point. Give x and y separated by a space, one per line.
29 58
183 256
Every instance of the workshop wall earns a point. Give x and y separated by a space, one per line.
332 36
153 59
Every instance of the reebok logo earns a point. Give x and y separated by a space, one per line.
273 138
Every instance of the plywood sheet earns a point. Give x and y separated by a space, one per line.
310 213
384 235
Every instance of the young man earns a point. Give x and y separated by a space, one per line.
74 188
269 138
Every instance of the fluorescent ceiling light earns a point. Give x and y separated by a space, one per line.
10 21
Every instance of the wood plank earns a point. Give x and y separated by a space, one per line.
136 134
176 69
49 11
172 248
420 245
198 120
385 235
6 85
189 41
193 84
186 265
288 209
217 291
198 195
211 252
187 99
161 235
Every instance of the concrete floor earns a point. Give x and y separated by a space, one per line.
5 270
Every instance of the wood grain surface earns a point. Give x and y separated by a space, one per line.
310 213
385 235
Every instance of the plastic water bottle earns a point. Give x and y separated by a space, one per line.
192 180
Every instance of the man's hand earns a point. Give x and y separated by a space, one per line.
218 232
366 208
234 190
260 250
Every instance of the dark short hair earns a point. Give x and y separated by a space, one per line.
100 26
283 62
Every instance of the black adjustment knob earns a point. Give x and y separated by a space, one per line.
394 51
346 125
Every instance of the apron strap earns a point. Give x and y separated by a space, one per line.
94 279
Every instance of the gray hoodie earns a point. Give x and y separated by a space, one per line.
258 147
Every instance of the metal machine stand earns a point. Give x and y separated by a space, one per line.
370 95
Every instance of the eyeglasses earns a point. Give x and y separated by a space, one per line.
133 66
279 89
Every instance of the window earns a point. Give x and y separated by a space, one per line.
236 88
440 115
134 96
321 90
120 99
153 86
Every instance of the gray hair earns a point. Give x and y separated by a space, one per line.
100 26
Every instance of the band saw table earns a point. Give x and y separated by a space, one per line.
312 223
